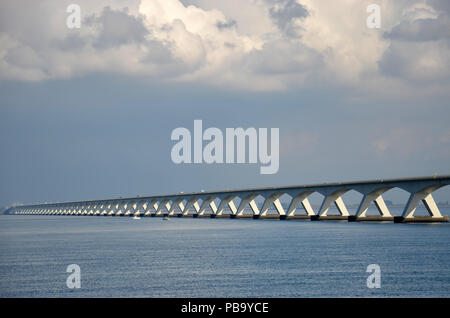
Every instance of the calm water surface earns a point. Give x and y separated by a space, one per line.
122 257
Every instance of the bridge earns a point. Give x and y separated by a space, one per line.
221 204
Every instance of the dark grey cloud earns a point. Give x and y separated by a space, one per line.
229 45
393 63
421 30
418 48
226 25
158 53
161 55
71 42
117 28
440 5
422 63
188 2
284 12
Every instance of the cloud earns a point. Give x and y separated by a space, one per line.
246 45
421 30
419 47
285 13
440 5
117 28
226 25
417 61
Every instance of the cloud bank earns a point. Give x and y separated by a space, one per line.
262 45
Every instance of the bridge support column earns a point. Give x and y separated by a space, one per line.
240 210
107 207
98 210
427 199
142 208
114 207
122 207
228 200
191 202
209 201
134 209
164 203
271 199
181 207
130 209
151 204
176 203
377 198
296 199
329 198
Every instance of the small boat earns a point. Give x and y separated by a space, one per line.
166 218
136 217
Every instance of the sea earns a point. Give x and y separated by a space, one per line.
187 257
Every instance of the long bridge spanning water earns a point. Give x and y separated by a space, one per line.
213 204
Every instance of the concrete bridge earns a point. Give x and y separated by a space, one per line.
220 204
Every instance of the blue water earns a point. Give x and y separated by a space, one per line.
122 257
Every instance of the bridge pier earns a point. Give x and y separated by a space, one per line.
421 219
297 217
242 216
274 217
268 217
370 218
329 217
220 216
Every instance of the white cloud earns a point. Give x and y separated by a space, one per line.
252 44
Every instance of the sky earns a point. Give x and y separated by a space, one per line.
88 112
